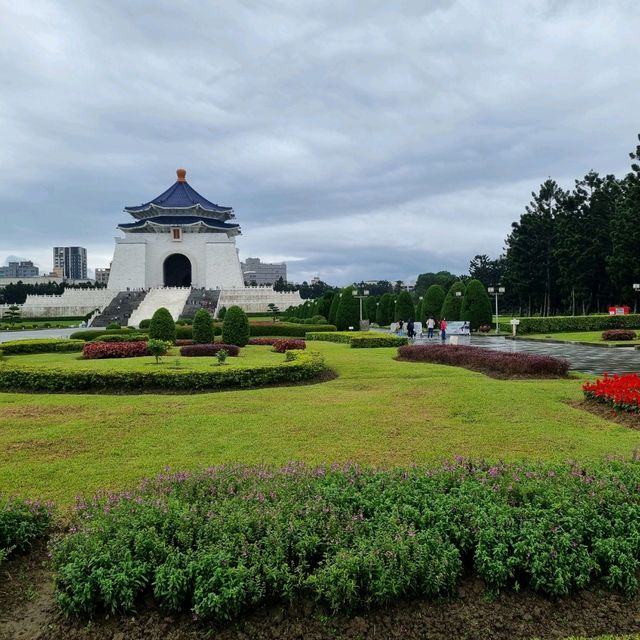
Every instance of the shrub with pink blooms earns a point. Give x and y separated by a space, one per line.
619 334
280 345
96 350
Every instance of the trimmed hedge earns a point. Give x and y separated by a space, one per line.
485 360
134 337
40 345
360 339
226 540
280 345
92 334
287 329
559 324
619 334
207 350
303 366
99 350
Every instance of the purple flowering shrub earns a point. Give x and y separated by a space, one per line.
224 540
619 334
510 364
21 523
208 350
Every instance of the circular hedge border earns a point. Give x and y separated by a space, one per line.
302 366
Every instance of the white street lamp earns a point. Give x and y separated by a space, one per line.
496 291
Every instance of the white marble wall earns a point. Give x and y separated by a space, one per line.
257 299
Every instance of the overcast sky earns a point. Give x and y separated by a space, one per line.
355 140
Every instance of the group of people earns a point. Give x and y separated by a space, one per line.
431 325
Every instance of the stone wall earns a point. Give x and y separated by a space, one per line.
257 299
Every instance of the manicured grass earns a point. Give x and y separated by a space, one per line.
379 411
579 336
248 356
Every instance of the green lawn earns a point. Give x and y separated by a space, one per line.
377 412
248 356
578 336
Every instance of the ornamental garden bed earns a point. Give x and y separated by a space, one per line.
359 339
614 398
255 367
493 363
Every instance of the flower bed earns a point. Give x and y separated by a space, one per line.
302 367
226 540
619 334
280 345
360 339
95 350
485 360
40 345
622 393
21 523
208 350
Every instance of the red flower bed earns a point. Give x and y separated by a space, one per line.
485 360
280 345
204 350
95 350
620 392
183 343
619 334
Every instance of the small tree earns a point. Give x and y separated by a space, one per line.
452 305
273 310
476 306
432 303
404 307
222 356
235 329
12 314
384 314
222 312
348 313
162 326
371 306
158 348
202 327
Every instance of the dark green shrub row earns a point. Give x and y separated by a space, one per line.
40 345
559 324
285 329
359 339
126 337
226 540
22 522
92 334
303 366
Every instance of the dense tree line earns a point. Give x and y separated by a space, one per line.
573 251
16 293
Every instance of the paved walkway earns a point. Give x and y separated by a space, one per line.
5 336
582 358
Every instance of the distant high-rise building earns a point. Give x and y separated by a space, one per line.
72 261
255 271
24 269
102 276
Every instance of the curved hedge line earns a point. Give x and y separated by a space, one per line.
302 366
360 339
92 334
285 329
40 345
559 324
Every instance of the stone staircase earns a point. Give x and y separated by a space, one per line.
120 309
172 298
200 299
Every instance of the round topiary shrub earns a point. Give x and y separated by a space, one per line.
404 307
162 326
476 305
144 324
235 329
348 314
202 327
222 312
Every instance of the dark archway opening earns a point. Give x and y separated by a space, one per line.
177 271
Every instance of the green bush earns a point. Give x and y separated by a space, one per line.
348 313
452 305
162 326
158 348
22 522
359 339
133 337
476 305
291 330
92 334
113 325
560 324
432 303
41 345
370 308
226 540
384 315
145 324
404 307
203 327
222 312
333 309
306 366
235 329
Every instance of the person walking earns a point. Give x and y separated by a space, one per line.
443 330
411 329
431 323
400 327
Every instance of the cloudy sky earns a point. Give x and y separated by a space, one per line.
355 140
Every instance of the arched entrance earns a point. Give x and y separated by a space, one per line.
177 271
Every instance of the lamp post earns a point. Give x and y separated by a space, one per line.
361 298
636 289
496 291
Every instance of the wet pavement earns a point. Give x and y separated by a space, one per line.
582 358
5 336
